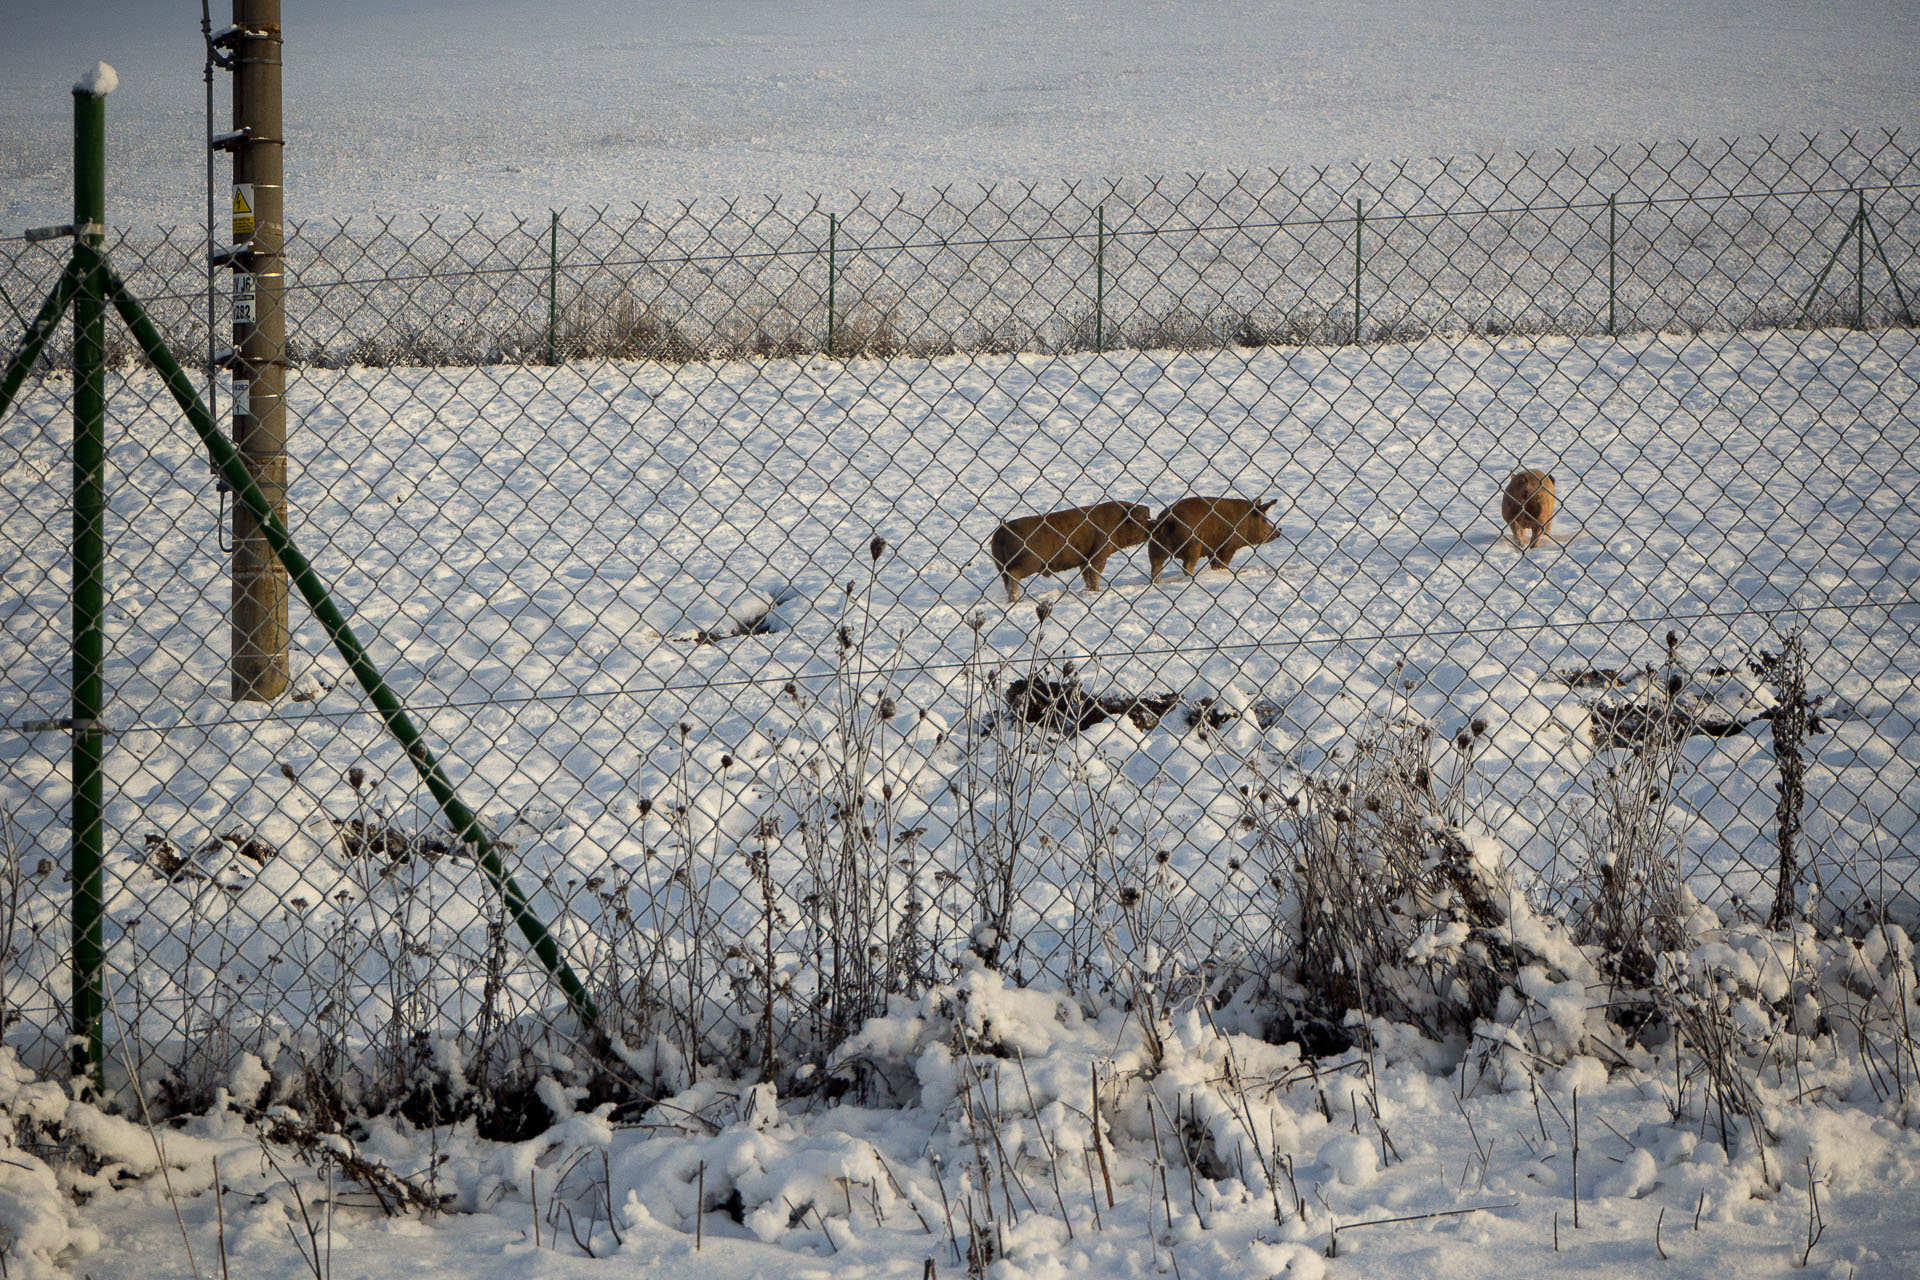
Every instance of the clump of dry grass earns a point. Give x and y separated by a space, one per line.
1393 908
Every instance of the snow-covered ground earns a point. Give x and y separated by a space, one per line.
538 550
1008 1126
535 553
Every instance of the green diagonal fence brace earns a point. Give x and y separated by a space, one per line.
466 824
1859 227
35 338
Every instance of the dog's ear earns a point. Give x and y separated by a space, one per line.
1268 504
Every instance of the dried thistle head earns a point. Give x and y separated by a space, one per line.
286 771
1479 726
877 548
356 777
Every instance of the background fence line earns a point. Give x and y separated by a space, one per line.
611 247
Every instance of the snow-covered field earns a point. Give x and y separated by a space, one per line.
547 562
536 551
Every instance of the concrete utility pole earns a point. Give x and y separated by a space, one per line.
260 638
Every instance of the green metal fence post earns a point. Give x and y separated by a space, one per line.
1612 264
1860 263
1359 223
1100 279
833 235
89 587
553 286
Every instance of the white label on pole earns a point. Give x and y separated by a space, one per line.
243 297
242 397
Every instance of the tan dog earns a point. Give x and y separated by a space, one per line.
1060 541
1213 528
1527 506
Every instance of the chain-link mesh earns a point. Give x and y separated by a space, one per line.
674 525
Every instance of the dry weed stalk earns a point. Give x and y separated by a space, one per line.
1000 818
1635 902
1393 910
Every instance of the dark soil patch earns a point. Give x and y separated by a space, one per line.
1064 706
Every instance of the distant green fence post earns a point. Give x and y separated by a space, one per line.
1613 241
1100 278
553 287
1860 262
833 236
1359 224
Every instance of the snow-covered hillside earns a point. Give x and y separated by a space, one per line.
503 106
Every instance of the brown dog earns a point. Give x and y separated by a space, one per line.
1527 506
1213 528
1060 541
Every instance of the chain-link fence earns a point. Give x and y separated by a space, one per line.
673 527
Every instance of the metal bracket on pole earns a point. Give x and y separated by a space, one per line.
61 724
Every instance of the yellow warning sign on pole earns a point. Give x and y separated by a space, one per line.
242 211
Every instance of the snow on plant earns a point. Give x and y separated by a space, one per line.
42 1231
1392 902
